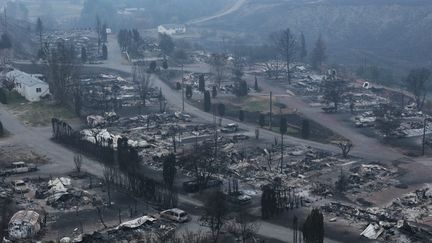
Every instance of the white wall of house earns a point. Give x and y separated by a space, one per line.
28 86
34 93
171 30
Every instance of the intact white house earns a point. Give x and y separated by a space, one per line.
28 85
172 29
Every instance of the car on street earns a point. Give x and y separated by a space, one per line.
230 128
239 198
175 214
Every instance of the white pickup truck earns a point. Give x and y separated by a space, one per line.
18 168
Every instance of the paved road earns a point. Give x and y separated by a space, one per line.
236 6
174 99
39 140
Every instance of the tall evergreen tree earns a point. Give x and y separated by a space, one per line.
305 129
268 202
1 129
169 169
83 54
319 53
201 84
303 48
313 227
105 52
189 91
207 101
39 30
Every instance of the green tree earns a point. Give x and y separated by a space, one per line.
319 55
313 227
242 89
418 83
1 129
166 44
221 109
268 202
333 91
169 169
342 183
83 54
5 42
104 52
214 92
241 115
261 120
207 101
189 91
103 30
201 83
153 66
39 31
303 49
165 64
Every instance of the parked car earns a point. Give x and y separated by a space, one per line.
175 214
239 198
230 128
194 186
18 168
240 137
20 186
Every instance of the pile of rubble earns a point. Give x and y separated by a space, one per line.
79 38
415 206
145 228
154 135
59 194
107 91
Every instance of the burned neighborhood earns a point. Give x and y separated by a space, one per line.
215 121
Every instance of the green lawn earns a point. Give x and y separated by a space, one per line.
37 113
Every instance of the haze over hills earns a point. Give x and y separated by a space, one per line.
394 32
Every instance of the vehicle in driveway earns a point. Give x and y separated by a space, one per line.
18 168
19 186
239 198
194 186
240 137
175 214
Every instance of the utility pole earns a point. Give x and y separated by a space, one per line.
424 135
271 110
282 153
183 95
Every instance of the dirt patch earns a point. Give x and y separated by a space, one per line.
39 113
12 153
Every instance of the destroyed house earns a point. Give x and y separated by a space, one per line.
24 224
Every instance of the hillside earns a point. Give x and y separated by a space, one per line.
394 32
